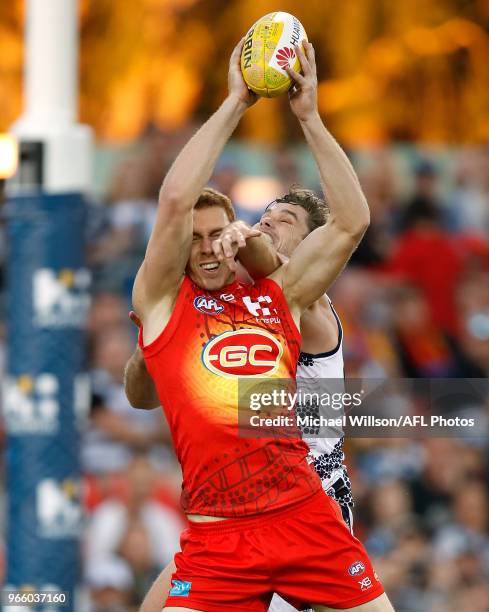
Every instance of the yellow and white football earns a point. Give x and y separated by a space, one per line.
268 48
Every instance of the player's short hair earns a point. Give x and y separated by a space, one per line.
211 197
316 208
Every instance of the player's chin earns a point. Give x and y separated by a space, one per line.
211 283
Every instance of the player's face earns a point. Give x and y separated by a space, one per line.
285 225
203 267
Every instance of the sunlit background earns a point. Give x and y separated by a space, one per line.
404 86
408 70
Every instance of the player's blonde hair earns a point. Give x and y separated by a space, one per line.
211 197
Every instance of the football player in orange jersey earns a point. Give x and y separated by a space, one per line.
239 550
321 347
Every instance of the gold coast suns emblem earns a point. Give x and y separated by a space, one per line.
245 353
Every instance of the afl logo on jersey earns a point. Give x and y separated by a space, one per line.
208 305
243 353
356 569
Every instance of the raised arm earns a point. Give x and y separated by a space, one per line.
169 245
322 255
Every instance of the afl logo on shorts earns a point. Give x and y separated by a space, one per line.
242 353
356 569
208 305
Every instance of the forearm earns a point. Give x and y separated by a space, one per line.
195 164
138 384
343 192
259 257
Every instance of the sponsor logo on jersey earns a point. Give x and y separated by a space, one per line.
208 305
227 297
268 320
180 588
258 308
356 569
243 353
365 583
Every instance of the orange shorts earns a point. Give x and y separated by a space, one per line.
304 552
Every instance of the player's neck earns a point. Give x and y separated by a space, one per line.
230 281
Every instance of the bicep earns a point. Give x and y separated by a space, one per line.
316 263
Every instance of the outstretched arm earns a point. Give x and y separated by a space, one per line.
169 245
321 256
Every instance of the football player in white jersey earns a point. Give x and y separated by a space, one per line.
284 224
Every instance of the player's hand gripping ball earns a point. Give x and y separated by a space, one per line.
269 47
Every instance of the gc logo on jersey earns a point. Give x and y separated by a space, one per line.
208 305
242 353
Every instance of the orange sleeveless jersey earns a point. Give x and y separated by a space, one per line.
211 340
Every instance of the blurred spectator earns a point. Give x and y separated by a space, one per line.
473 301
474 598
391 508
108 310
426 257
286 169
115 426
396 458
424 349
440 479
132 202
110 582
377 181
469 200
138 528
118 252
425 199
466 536
367 348
225 177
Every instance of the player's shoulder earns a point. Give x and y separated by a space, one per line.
273 282
277 276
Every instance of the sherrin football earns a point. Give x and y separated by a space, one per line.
269 47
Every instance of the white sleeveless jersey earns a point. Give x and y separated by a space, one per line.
313 372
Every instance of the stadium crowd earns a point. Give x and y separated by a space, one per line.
414 302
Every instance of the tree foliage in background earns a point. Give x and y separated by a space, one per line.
407 70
